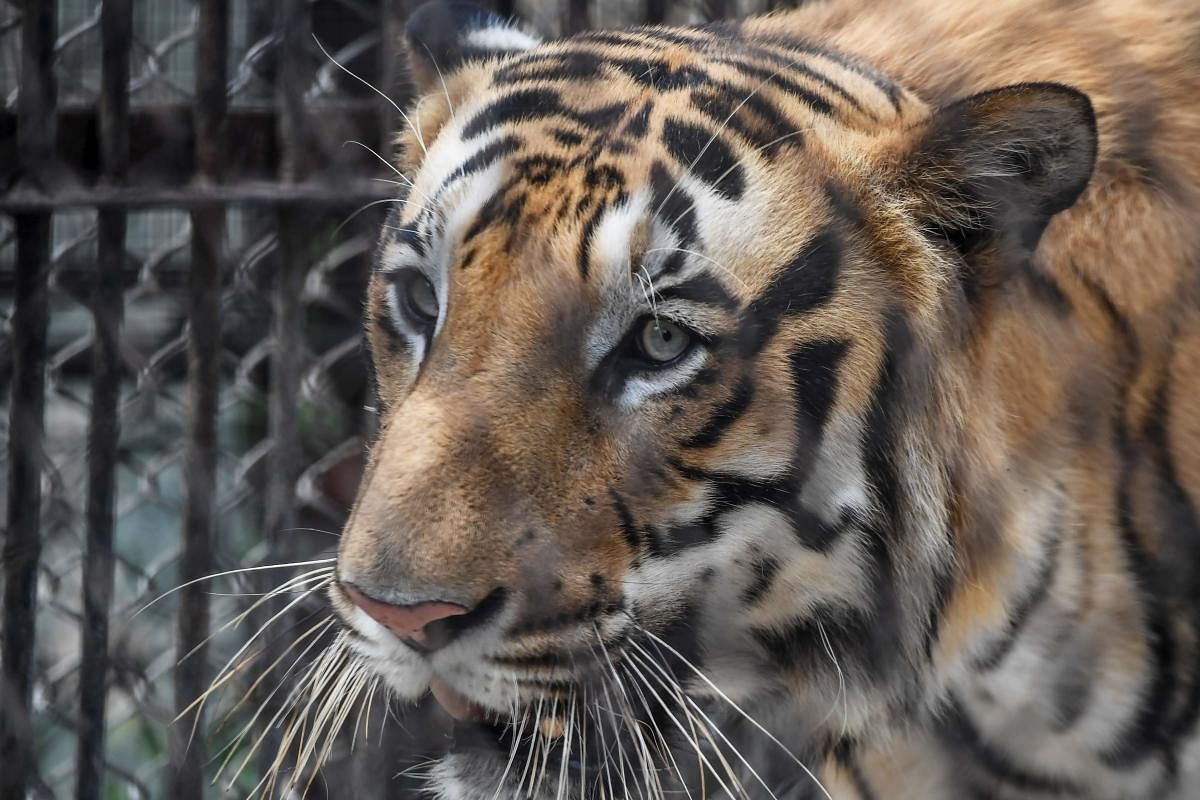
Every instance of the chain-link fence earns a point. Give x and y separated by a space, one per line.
186 212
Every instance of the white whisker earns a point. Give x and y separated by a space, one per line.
373 88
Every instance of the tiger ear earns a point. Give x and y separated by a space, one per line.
993 168
442 35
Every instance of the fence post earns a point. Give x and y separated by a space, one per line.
22 542
116 29
186 773
292 132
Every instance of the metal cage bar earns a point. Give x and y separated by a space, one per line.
22 544
116 27
186 777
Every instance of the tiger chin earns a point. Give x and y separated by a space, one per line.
794 407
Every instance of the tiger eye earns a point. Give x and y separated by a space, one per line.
663 341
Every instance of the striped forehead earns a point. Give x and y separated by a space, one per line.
669 112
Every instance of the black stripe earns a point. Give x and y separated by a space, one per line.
702 288
807 282
1144 735
881 81
659 75
756 120
731 492
764 569
723 416
602 119
706 155
777 79
575 64
800 647
629 529
546 660
408 236
845 756
567 138
482 159
673 203
879 439
814 368
998 650
1181 547
639 123
395 339
845 205
585 241
521 105
959 731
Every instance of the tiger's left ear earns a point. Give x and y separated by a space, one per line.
443 35
995 167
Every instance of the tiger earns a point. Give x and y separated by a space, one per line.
802 406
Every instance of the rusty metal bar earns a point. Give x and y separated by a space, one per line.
293 132
116 33
22 541
185 778
311 193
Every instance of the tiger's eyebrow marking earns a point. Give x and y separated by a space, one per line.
701 288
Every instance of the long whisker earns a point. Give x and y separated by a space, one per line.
442 78
696 747
660 642
372 204
841 680
643 751
404 179
226 573
372 87
512 753
636 682
249 726
716 729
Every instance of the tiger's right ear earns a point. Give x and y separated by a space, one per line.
993 168
443 35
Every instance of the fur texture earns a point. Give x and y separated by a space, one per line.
920 494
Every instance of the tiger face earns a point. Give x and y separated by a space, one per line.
660 322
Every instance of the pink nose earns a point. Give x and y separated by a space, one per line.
407 622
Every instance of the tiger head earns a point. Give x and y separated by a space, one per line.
664 324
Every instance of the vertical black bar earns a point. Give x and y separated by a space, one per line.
655 11
116 27
292 81
22 542
293 133
185 779
392 68
576 18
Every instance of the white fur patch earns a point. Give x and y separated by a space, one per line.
502 37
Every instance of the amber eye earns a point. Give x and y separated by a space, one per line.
417 298
661 341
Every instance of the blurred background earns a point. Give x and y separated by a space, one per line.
188 200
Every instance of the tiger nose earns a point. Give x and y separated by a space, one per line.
409 622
